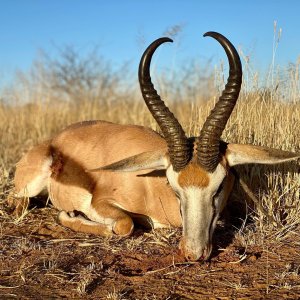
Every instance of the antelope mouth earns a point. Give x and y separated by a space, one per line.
194 252
200 156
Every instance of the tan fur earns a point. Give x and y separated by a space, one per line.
193 175
87 145
109 199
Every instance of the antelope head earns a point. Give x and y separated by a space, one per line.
197 168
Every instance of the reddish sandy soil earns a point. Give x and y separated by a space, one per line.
41 260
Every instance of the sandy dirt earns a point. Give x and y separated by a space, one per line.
39 259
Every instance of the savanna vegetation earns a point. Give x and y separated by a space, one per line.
257 245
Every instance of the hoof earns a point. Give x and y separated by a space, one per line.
123 227
62 216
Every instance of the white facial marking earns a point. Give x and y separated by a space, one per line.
216 178
200 210
172 177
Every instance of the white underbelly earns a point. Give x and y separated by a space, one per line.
68 197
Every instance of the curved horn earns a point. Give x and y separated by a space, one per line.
179 148
208 144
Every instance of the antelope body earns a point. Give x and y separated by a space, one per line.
168 180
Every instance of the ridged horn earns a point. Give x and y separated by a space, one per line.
179 148
208 143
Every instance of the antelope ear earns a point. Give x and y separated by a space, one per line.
156 160
248 154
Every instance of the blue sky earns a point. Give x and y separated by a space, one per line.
122 29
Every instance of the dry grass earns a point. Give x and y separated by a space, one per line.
255 120
260 118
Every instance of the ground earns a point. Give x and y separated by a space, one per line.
39 259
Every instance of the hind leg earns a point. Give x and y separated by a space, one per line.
31 177
105 212
81 224
103 219
33 171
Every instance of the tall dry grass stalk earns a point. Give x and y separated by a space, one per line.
261 117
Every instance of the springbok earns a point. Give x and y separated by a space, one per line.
132 184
